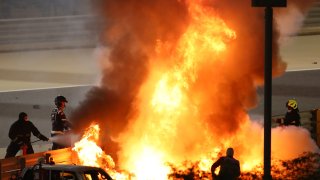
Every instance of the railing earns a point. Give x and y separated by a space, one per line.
76 30
43 8
311 24
48 33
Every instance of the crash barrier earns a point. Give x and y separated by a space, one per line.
311 25
12 167
309 120
47 33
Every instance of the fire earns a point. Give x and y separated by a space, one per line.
192 105
89 153
169 103
155 168
167 129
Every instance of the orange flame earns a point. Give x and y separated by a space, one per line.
176 104
89 153
162 131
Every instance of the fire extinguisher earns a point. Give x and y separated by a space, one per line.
24 149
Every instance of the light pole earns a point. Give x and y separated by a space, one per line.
268 4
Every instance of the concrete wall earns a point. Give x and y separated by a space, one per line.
24 70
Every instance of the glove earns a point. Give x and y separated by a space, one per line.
43 138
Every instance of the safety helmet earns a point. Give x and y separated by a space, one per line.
292 103
59 99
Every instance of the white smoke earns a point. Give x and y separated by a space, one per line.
290 23
290 142
66 139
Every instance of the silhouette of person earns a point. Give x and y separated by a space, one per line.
20 133
229 167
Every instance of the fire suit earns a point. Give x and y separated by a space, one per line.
60 125
229 168
292 118
19 133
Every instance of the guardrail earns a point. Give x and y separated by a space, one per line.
81 31
311 25
48 33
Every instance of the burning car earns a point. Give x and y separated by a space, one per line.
75 172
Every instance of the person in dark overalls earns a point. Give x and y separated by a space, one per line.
60 124
20 133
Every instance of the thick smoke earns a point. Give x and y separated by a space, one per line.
227 88
129 36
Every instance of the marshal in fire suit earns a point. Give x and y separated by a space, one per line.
19 133
292 116
60 124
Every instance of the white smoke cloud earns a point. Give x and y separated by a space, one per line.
289 23
291 142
